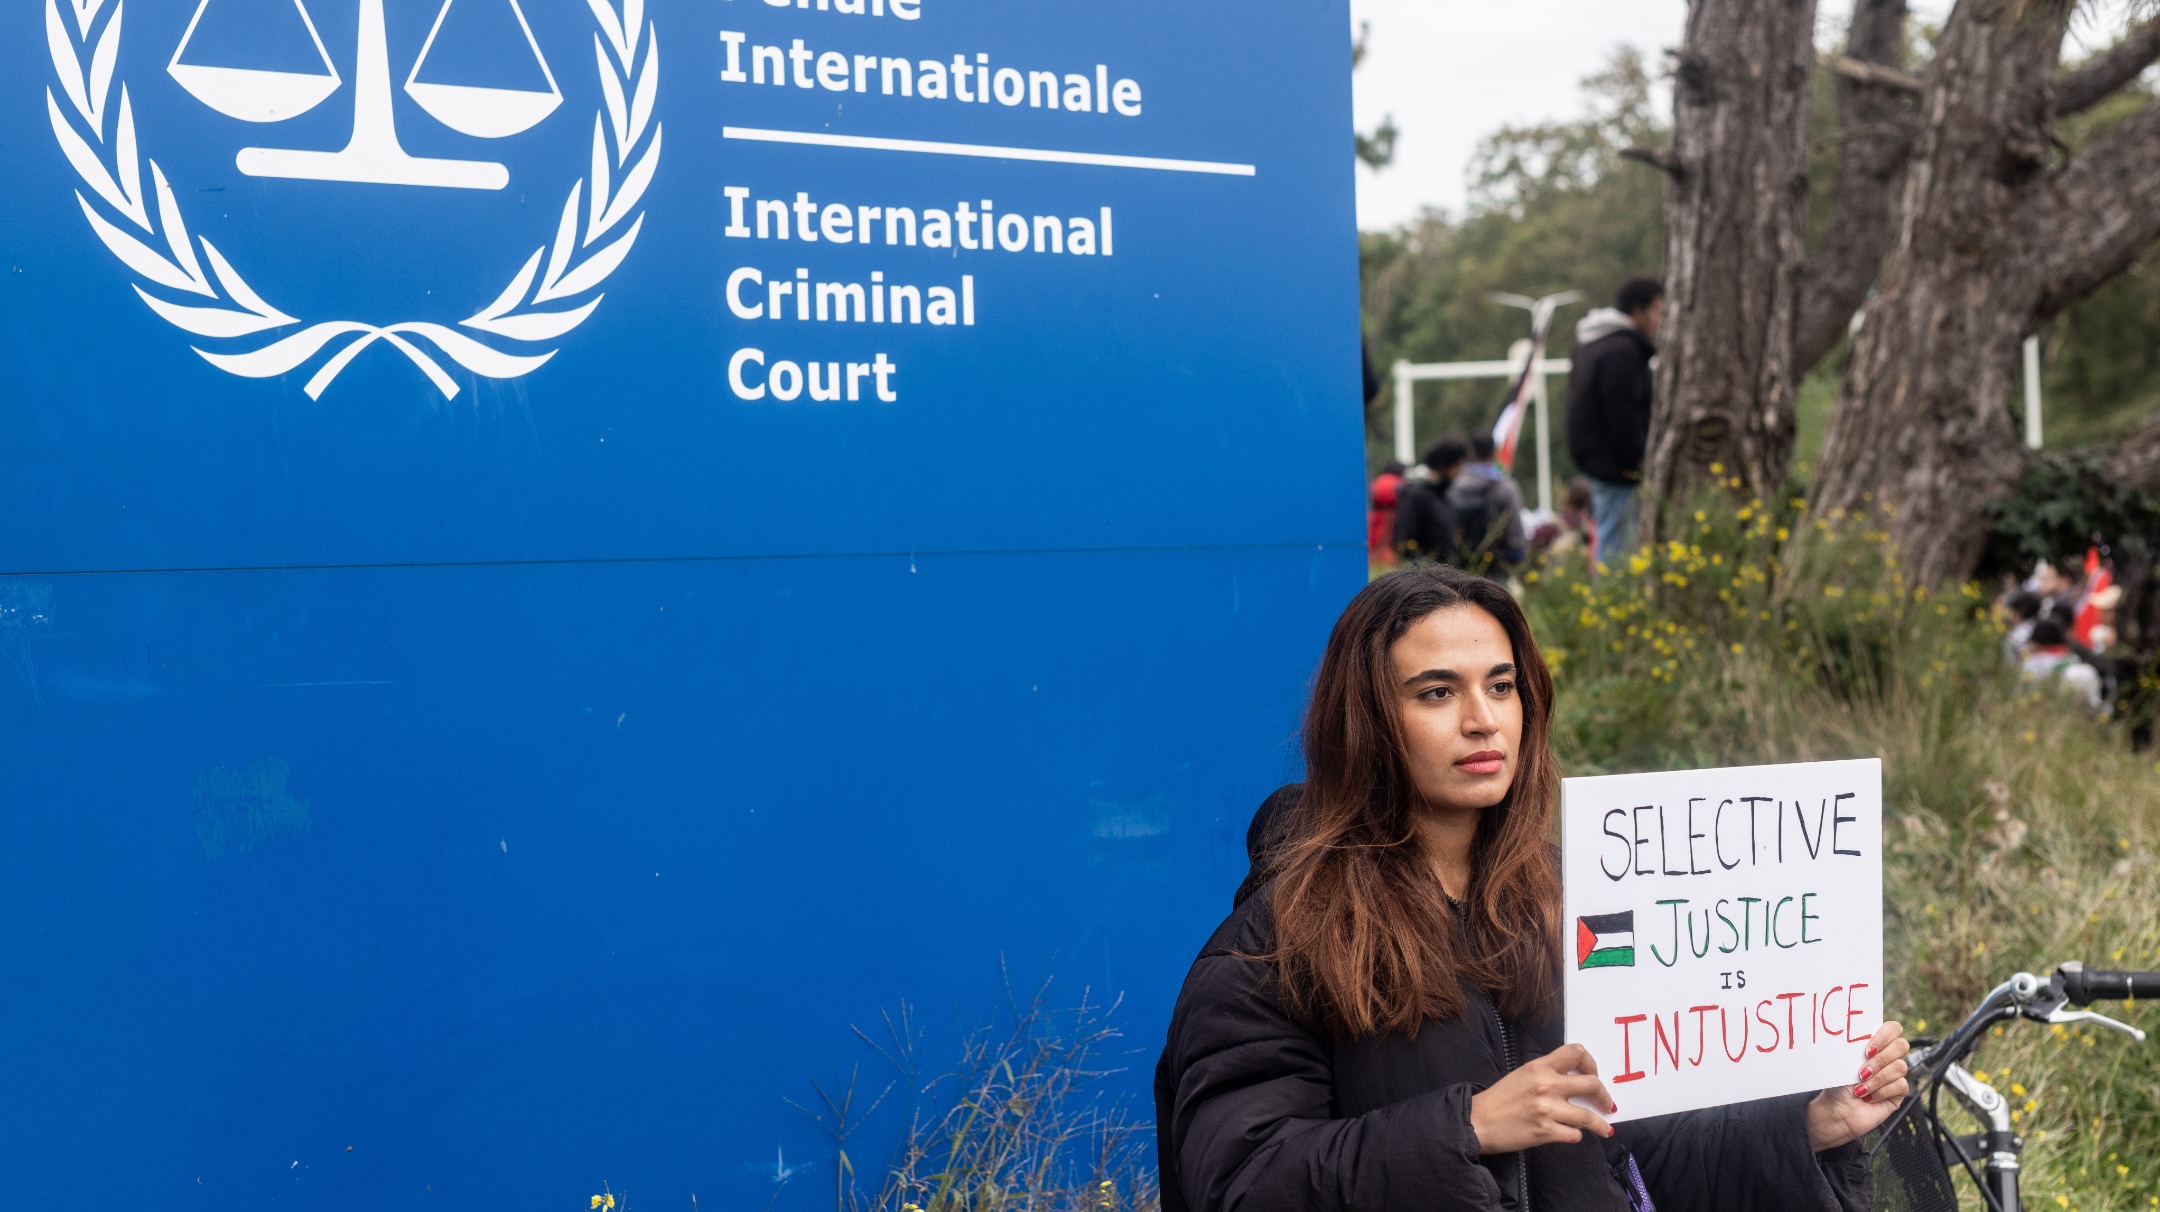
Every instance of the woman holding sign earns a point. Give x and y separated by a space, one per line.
1377 1023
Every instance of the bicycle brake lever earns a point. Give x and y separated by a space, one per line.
2089 1016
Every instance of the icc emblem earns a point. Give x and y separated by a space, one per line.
555 290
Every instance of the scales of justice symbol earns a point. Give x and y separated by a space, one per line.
372 155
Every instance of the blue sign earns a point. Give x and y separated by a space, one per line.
557 555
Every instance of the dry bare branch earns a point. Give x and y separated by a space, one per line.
2086 86
1873 73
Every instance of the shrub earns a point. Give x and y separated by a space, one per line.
2065 503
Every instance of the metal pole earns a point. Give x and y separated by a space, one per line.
1405 422
1544 447
2032 392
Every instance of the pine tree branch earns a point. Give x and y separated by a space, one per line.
1658 158
2098 214
2084 87
1875 132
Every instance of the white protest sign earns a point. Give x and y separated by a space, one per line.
1724 930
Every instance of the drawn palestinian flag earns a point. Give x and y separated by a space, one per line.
1605 940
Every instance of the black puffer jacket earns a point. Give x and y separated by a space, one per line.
1608 411
1255 1112
1425 523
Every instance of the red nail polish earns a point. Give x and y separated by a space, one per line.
1866 1074
1860 1092
1872 1050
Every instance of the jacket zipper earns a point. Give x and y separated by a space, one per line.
1507 1061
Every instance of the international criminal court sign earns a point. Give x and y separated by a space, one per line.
559 556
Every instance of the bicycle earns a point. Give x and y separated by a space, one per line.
1915 1153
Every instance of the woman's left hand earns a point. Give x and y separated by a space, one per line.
1846 1113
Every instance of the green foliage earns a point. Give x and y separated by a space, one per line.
2021 832
1634 643
2063 503
2101 356
2101 360
1812 406
1376 150
1553 207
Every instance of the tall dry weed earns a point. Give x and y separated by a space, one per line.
1017 1123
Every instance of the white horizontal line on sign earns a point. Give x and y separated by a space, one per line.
928 147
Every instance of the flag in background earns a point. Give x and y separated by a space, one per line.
1509 427
2098 576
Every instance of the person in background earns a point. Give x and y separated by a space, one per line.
1380 515
2099 578
1488 510
2048 658
2021 609
2101 636
1425 527
1567 530
1608 417
1576 520
2052 587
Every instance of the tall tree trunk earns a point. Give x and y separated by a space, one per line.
1875 133
2137 458
1996 236
1735 216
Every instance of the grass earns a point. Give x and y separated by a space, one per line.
2020 832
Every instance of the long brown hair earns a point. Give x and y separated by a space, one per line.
1365 941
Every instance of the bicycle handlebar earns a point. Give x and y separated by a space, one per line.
2083 986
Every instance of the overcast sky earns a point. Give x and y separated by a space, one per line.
1452 71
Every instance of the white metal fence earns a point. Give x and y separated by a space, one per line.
1409 374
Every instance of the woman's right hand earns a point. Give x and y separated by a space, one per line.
1530 1106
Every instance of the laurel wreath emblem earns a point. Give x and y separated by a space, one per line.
525 313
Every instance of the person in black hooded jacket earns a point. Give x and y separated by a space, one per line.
1376 1025
1608 411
